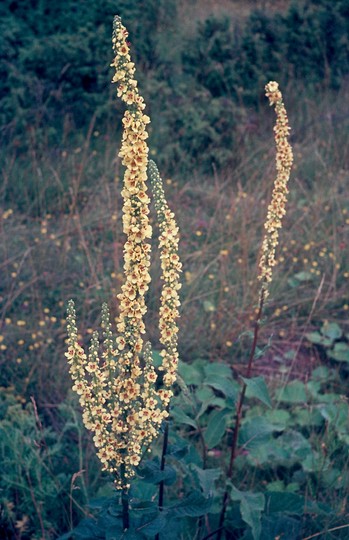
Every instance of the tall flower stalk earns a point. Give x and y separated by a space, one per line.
171 268
123 403
272 225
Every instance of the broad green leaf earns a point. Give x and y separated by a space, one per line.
191 373
279 418
194 505
340 352
319 339
304 417
284 502
152 474
216 369
294 392
279 485
211 402
280 526
157 358
254 432
331 330
207 478
155 525
321 373
256 388
228 387
251 507
215 428
179 416
88 528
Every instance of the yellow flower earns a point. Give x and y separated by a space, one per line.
276 209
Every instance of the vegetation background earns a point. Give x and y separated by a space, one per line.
202 67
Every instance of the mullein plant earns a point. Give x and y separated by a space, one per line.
123 402
272 225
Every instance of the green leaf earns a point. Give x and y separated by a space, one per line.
216 427
256 388
191 373
179 416
321 373
157 358
255 431
152 474
154 526
279 418
340 352
207 478
194 505
280 526
284 502
331 330
216 369
318 339
251 507
211 402
229 388
88 528
294 392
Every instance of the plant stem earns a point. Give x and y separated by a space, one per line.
162 468
124 501
239 413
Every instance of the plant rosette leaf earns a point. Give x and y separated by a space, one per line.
193 374
294 392
340 352
216 427
255 432
256 388
182 418
226 386
331 330
207 479
155 525
251 508
152 474
195 505
318 339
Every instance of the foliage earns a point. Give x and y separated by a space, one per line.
289 478
333 339
55 60
43 486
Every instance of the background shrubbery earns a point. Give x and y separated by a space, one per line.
55 62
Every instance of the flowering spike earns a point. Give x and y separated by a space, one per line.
116 389
276 208
171 269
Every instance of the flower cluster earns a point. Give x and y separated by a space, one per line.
120 406
134 153
171 268
276 209
116 382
